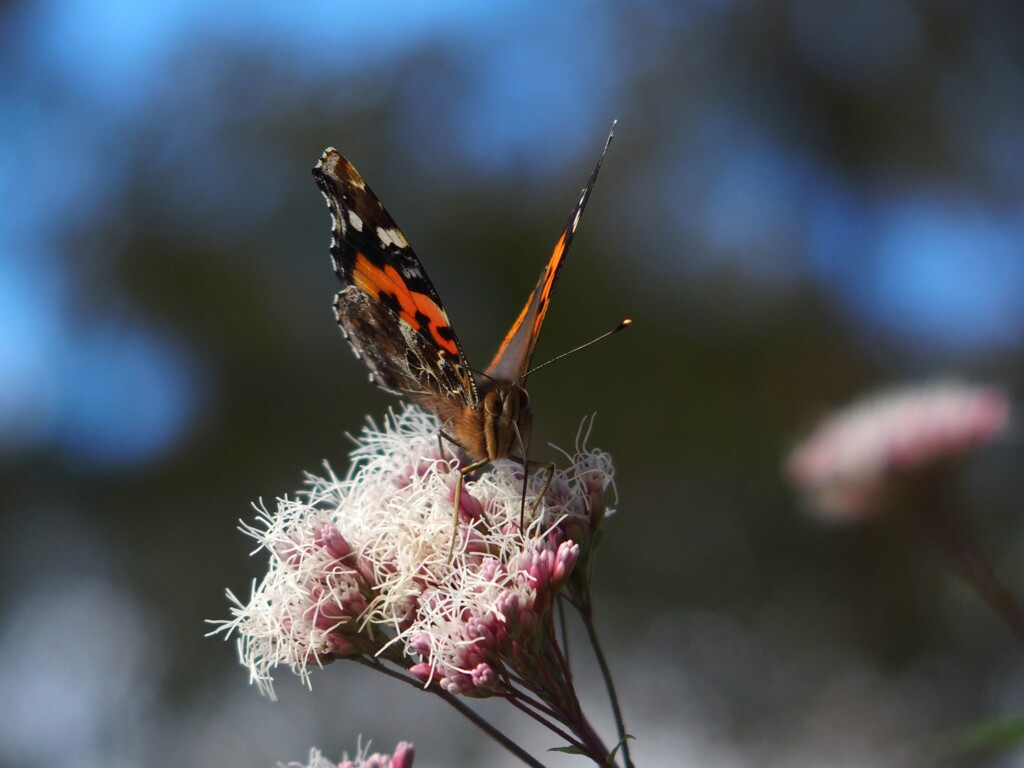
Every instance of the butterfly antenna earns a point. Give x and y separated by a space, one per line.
484 375
620 327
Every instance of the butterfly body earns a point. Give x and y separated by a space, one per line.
394 320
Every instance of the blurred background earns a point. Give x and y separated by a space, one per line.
805 200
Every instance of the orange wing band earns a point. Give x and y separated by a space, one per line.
413 308
549 282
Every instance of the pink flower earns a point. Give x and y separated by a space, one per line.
402 758
852 462
363 566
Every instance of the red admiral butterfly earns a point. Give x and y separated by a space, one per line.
392 316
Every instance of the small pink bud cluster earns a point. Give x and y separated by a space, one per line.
855 458
307 610
402 758
486 634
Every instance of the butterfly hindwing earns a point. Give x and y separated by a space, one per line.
388 309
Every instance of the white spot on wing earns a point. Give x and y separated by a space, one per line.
391 237
357 223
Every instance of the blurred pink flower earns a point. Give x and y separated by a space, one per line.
849 465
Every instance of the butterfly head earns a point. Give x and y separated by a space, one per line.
507 420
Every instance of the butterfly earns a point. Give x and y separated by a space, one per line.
393 318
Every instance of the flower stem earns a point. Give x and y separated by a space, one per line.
526 707
489 729
566 710
464 710
587 614
563 630
572 712
973 567
521 694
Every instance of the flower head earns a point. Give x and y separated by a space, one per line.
851 462
402 758
363 566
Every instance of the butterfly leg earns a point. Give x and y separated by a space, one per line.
442 435
463 471
458 498
550 467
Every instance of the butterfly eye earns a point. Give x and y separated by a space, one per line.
516 401
494 403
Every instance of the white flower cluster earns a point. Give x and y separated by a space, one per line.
364 565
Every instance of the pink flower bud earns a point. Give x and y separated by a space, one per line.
404 754
366 570
288 551
476 542
343 646
484 676
470 508
422 671
354 602
489 569
325 614
565 560
334 542
457 683
507 607
420 645
481 629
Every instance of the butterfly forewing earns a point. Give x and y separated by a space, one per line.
512 360
388 308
